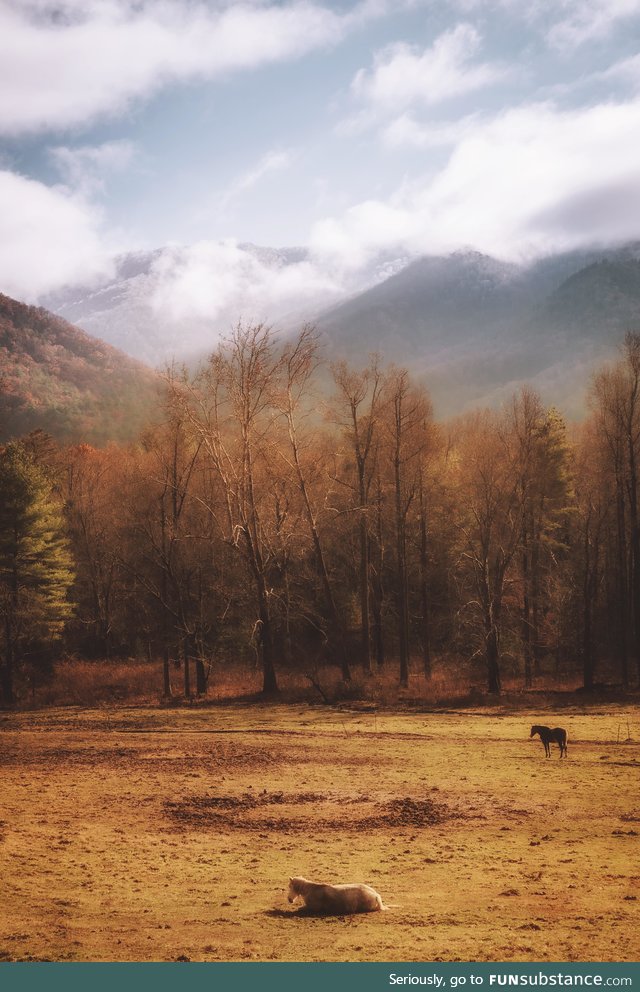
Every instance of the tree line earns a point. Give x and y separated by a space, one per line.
300 515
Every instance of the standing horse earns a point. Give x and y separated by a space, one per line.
547 736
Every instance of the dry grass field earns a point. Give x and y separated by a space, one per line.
169 834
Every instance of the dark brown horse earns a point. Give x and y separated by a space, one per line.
547 736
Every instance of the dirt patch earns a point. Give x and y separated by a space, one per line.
328 812
67 756
407 812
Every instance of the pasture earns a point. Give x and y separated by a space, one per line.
170 834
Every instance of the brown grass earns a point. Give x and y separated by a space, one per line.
169 834
77 682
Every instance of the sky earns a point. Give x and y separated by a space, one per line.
358 129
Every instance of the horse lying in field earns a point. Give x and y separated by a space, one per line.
547 736
318 897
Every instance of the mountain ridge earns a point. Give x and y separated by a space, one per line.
476 328
57 377
473 326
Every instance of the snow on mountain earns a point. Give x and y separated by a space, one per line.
177 301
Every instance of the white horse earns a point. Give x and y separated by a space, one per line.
319 897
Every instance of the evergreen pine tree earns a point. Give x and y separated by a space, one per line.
35 562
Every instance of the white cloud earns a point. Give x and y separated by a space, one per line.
271 161
407 131
403 76
587 20
65 63
221 282
624 71
405 79
48 238
84 168
567 24
351 241
528 180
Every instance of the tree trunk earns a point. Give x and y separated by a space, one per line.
494 684
269 681
187 675
164 593
365 633
526 618
377 629
6 670
401 571
256 562
536 647
201 677
622 592
635 551
587 642
424 588
166 678
337 637
377 599
492 639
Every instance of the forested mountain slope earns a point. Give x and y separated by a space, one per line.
57 377
477 328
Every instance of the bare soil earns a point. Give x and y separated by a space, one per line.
163 835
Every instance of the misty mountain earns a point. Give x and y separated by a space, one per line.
177 301
477 328
121 310
56 377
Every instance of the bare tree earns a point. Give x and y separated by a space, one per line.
300 360
490 523
90 490
173 461
358 410
230 408
615 398
408 419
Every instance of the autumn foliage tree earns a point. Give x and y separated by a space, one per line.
490 521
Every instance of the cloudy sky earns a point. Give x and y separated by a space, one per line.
352 127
